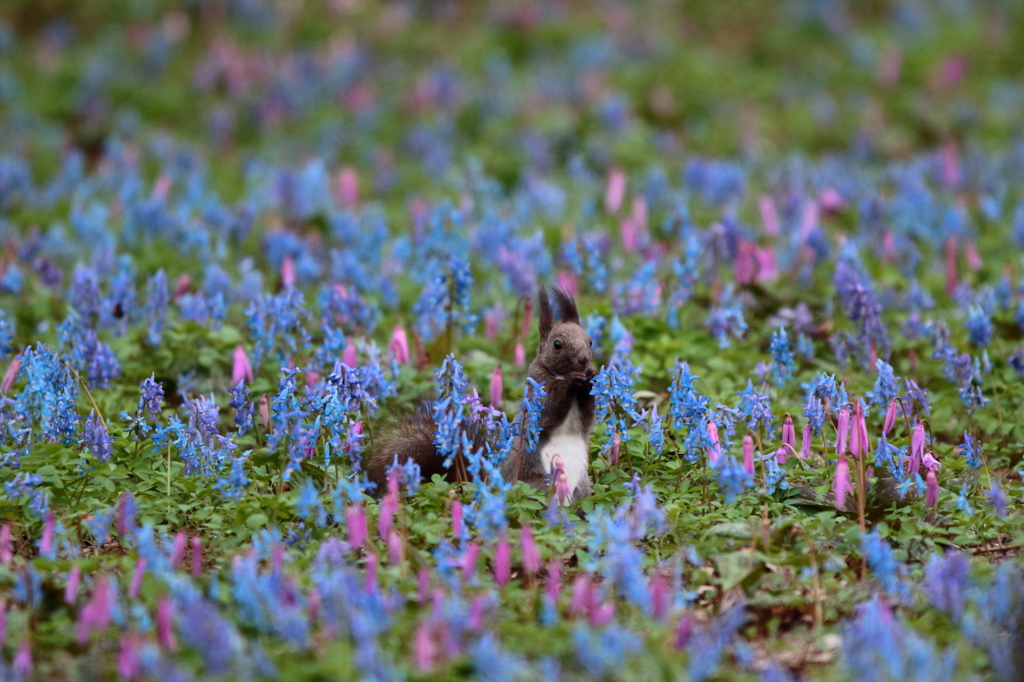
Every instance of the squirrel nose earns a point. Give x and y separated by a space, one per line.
582 360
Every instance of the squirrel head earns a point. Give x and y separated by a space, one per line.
565 346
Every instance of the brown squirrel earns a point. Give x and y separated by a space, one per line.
564 364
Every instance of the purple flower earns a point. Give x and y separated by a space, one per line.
97 440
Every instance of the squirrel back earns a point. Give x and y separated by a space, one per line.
564 363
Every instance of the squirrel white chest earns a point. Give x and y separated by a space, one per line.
569 440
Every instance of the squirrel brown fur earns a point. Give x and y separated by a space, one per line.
564 364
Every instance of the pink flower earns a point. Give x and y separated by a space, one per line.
469 562
841 485
348 186
805 441
370 584
567 282
788 432
629 238
531 555
22 666
890 418
197 556
423 586
715 450
502 559
748 454
164 624
490 325
288 272
781 455
265 412
399 345
857 448
395 548
769 216
950 164
602 615
765 259
423 650
71 590
3 620
128 658
457 519
240 370
476 613
916 448
140 571
497 387
181 288
613 454
831 201
844 431
311 379
684 631
562 491
355 518
659 597
974 261
95 615
582 595
931 498
520 355
178 550
746 263
46 542
10 376
348 358
616 191
554 583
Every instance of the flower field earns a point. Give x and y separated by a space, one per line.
242 239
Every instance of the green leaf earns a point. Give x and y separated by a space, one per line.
256 521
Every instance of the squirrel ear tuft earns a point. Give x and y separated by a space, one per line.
547 320
567 311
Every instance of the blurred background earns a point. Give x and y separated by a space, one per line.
384 86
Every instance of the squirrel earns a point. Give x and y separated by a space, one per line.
564 364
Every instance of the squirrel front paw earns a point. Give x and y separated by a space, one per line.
579 379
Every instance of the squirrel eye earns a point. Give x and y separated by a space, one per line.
558 345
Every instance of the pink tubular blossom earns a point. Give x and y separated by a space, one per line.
890 418
567 282
502 558
782 455
355 518
789 432
165 625
531 555
10 376
136 584
3 620
181 288
349 357
370 584
423 649
602 614
765 259
457 519
769 216
746 263
497 387
469 562
831 201
613 453
857 447
490 325
288 272
629 235
659 593
974 261
844 431
240 369
95 615
748 454
197 556
683 631
396 551
264 410
520 355
805 441
841 485
348 186
178 550
553 586
582 596
128 658
46 542
71 590
916 448
932 496
616 191
715 450
399 345
22 667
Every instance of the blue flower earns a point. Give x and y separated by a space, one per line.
979 326
886 386
152 396
733 479
945 582
100 444
782 358
757 408
971 450
997 498
890 571
233 485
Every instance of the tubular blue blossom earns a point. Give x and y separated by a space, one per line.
152 396
615 405
886 385
890 571
99 443
726 319
979 326
733 479
863 307
782 358
757 408
971 450
997 498
945 582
